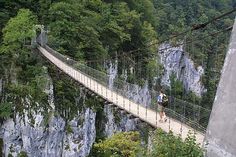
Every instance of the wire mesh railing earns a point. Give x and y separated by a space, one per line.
185 112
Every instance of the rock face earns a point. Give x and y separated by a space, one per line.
82 136
176 61
134 92
112 70
117 121
140 95
49 139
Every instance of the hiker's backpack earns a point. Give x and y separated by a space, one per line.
165 100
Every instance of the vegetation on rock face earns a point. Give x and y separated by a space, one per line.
23 77
6 111
128 144
1 146
65 95
177 90
22 154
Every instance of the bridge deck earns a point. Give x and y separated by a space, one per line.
145 114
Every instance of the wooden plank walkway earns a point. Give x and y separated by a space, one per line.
145 114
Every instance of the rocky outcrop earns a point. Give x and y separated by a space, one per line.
176 61
117 121
49 136
49 141
79 140
134 92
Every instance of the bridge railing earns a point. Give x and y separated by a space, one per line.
100 77
187 113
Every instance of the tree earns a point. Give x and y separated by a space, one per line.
177 88
17 31
9 9
23 77
5 111
97 30
164 144
126 144
168 145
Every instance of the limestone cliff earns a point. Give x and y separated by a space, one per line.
176 61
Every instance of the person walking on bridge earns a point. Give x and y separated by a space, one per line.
160 101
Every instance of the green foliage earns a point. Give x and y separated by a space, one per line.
17 31
22 154
1 147
100 124
47 117
65 94
9 9
69 129
175 16
24 79
168 145
125 144
31 85
145 8
10 155
128 144
99 28
191 97
102 30
93 103
177 88
5 110
27 78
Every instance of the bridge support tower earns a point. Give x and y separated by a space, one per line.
220 139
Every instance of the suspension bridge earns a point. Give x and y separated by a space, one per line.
113 97
182 117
